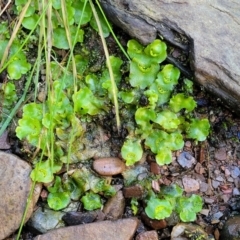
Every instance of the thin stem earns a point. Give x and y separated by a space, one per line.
112 32
114 87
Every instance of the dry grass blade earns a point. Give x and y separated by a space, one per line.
15 30
6 6
114 87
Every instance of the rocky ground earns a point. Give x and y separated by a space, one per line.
210 169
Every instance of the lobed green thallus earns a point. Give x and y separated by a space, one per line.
161 125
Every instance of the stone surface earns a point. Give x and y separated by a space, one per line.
109 166
122 229
135 191
185 230
4 144
186 160
45 220
231 228
149 235
190 184
75 218
15 185
93 144
114 207
208 30
153 223
220 154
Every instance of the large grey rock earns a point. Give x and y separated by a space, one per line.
15 185
122 229
210 30
231 228
44 220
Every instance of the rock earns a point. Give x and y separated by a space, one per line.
122 229
15 186
45 219
198 27
155 168
215 184
4 144
93 144
75 218
135 191
230 229
190 184
154 224
186 160
149 235
189 231
114 207
235 172
220 154
134 173
109 166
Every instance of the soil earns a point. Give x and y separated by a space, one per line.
217 158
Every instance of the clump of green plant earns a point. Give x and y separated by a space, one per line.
162 203
168 116
76 96
169 200
81 184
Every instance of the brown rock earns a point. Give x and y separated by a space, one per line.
133 191
122 229
109 166
149 235
155 168
190 184
114 207
221 154
200 27
15 186
154 224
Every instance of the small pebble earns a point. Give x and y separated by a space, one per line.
154 224
230 179
205 212
188 144
204 187
220 179
133 191
227 172
109 166
186 160
236 192
217 215
215 184
209 200
155 168
221 154
190 184
149 235
235 172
